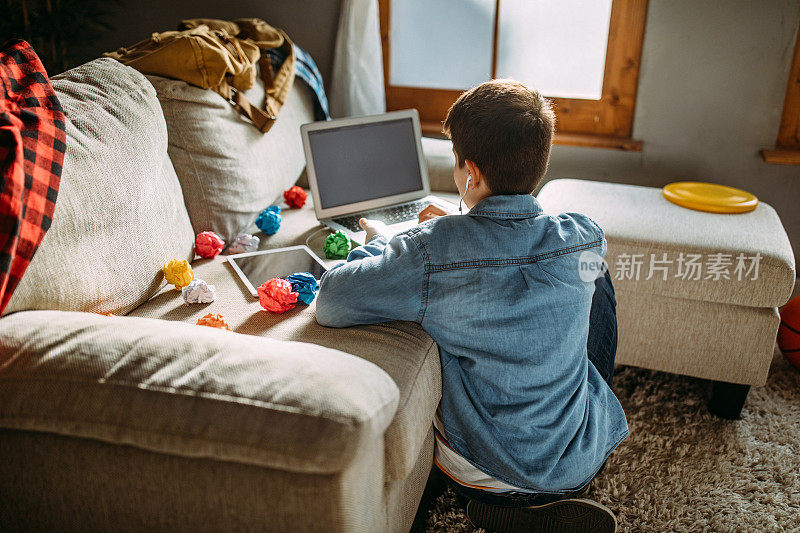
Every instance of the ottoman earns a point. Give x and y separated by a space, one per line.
697 292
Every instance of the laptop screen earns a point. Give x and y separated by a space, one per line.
364 162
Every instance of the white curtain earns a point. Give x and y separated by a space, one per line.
357 81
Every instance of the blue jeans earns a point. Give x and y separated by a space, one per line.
602 349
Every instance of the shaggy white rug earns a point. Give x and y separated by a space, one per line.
682 469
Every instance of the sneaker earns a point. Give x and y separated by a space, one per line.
563 516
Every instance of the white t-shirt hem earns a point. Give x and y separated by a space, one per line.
462 471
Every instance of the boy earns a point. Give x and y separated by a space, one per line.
527 416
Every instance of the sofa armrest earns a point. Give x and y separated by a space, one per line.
440 160
192 391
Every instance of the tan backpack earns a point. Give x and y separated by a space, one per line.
222 56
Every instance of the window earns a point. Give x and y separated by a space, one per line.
787 146
585 58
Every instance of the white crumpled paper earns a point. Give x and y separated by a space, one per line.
244 242
198 292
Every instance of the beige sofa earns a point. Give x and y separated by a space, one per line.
148 422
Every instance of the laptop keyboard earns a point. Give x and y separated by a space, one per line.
387 215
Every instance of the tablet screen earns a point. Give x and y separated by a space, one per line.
257 267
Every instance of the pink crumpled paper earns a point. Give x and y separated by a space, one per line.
208 244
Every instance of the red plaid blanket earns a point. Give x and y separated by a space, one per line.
32 144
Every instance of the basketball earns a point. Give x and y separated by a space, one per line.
789 332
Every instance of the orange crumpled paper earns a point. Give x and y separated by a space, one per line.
213 321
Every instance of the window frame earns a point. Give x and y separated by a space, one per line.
604 123
787 144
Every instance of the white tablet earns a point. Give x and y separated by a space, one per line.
254 268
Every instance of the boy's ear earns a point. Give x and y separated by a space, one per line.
475 172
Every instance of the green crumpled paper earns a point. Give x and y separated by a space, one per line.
337 246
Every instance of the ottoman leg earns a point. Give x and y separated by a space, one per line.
727 399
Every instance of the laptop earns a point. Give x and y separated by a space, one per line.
370 167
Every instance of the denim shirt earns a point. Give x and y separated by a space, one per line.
499 291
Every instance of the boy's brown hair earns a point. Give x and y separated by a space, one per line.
506 129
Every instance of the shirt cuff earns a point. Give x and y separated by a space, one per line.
378 238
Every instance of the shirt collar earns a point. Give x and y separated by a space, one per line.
507 206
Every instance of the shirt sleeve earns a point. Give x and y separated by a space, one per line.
381 281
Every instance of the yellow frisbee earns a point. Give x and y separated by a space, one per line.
709 197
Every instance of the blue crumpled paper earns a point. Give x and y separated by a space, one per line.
269 220
305 285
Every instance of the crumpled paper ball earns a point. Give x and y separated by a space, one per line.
213 321
295 197
198 292
276 295
178 273
243 243
337 246
305 285
269 220
208 244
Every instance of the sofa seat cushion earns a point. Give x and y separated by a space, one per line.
228 169
120 213
402 349
190 390
641 226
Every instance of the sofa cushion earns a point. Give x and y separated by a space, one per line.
402 349
190 390
641 226
228 169
120 212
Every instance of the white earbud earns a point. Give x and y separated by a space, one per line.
466 189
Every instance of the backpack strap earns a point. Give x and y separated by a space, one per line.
262 119
277 84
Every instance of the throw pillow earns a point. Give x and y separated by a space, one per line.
120 213
229 171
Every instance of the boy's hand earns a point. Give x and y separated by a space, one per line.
432 211
372 227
